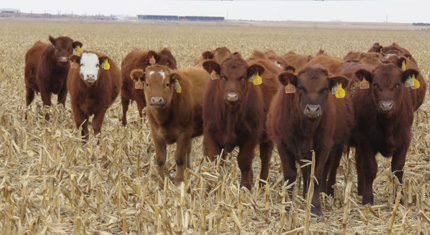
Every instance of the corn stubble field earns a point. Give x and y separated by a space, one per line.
50 183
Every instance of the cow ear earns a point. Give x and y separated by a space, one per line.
363 73
175 77
153 57
254 69
212 65
287 77
77 43
408 73
75 58
137 74
52 40
207 55
333 81
401 62
102 59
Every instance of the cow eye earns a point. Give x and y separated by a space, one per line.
397 85
224 79
147 85
375 85
97 65
167 85
81 64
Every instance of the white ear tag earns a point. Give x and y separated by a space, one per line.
334 88
409 82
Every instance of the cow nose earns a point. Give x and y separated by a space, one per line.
64 59
232 97
91 78
312 110
386 106
157 102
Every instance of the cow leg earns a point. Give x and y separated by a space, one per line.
288 164
266 149
46 99
320 163
333 164
398 162
182 156
212 148
29 96
369 168
160 154
140 106
62 96
125 103
244 159
98 121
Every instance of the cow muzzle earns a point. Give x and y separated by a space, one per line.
232 97
386 106
312 111
90 78
157 102
64 59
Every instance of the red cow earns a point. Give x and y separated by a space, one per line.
297 61
219 54
94 83
393 49
140 59
384 115
175 100
234 112
332 64
370 58
46 68
305 116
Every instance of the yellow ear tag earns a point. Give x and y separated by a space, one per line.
178 87
257 80
290 88
404 65
106 65
340 93
364 84
138 85
152 60
214 75
409 58
78 50
416 82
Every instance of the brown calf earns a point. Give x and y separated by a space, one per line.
94 83
140 59
384 115
46 68
234 112
332 64
219 54
296 60
305 116
175 100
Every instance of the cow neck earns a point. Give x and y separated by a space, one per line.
161 116
389 124
232 119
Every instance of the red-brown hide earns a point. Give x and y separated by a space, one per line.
311 118
174 116
140 59
92 99
46 68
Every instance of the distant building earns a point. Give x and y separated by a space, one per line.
170 17
8 11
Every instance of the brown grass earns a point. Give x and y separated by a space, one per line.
52 184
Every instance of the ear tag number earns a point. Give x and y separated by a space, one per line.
256 79
404 65
214 75
334 88
340 93
152 61
78 50
364 84
290 88
178 87
74 65
416 82
409 82
138 85
106 65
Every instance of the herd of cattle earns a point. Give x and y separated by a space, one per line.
298 102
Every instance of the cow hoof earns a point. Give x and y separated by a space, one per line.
317 211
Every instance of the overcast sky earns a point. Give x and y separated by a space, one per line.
401 11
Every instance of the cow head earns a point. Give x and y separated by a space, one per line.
375 48
160 83
232 77
164 57
63 48
387 81
313 87
89 65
